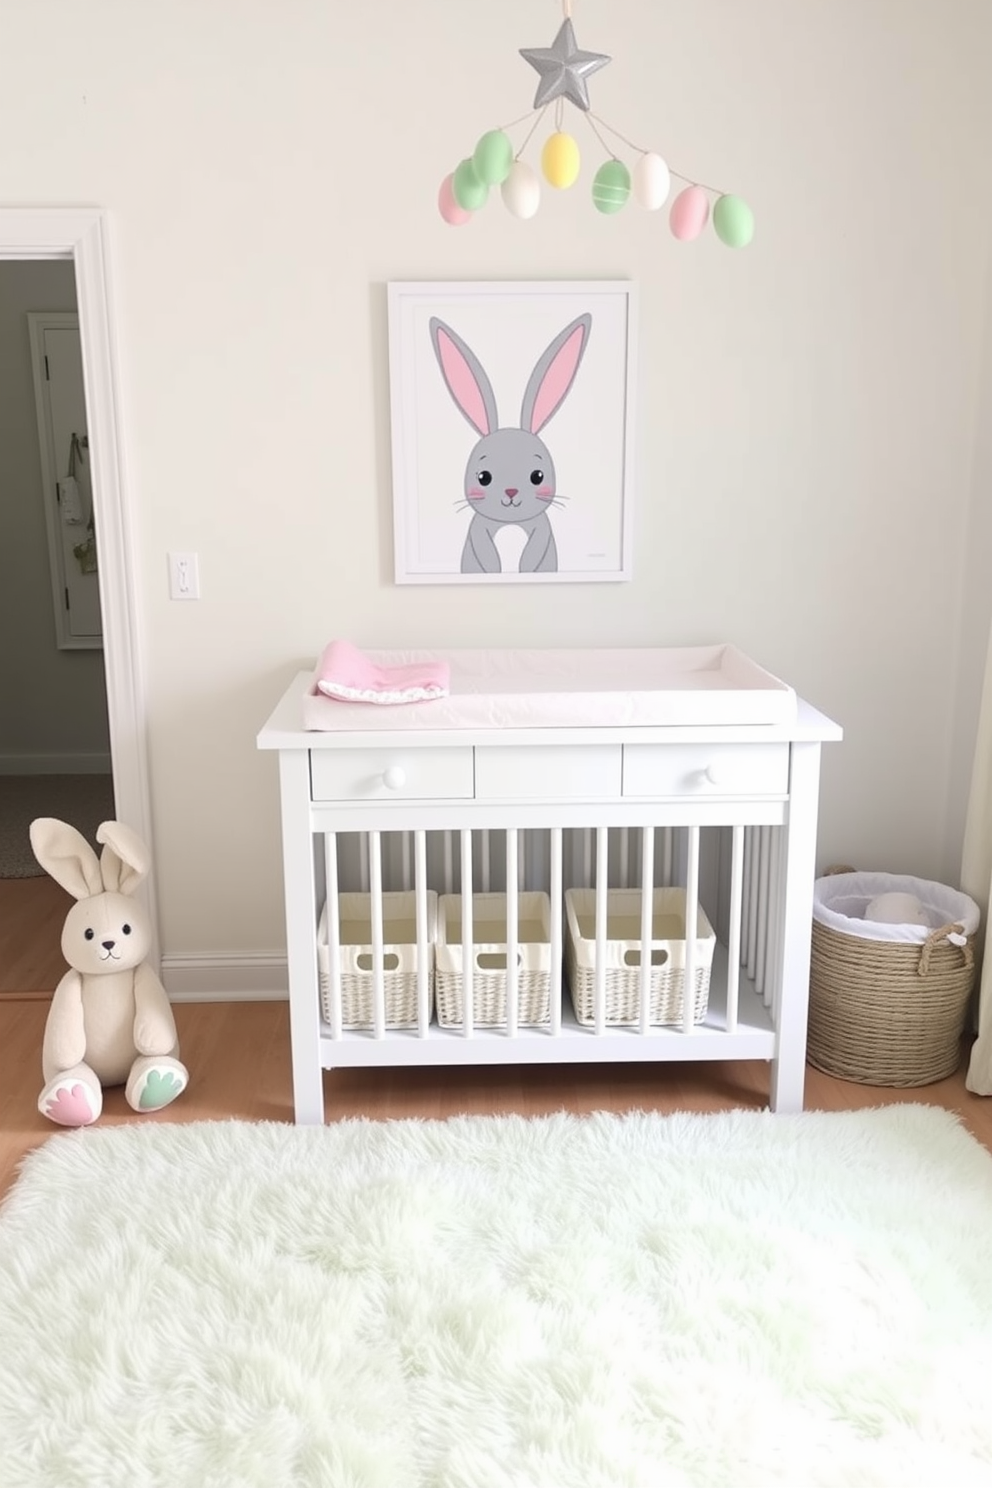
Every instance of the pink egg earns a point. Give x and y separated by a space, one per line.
452 213
690 213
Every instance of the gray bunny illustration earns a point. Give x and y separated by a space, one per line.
510 478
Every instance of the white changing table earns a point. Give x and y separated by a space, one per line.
424 793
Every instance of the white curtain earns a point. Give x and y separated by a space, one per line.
976 880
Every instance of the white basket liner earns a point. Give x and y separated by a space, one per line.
840 901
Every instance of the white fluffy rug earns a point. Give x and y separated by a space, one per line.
735 1301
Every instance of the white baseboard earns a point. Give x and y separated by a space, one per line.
55 764
258 978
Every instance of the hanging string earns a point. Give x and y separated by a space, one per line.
530 132
689 180
602 141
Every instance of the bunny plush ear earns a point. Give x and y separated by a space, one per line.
124 861
554 375
67 856
464 378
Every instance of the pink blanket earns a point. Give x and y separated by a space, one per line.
347 674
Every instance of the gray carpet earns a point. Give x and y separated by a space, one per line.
83 800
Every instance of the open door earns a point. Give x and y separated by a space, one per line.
67 487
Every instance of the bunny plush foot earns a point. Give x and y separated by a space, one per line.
70 1101
155 1082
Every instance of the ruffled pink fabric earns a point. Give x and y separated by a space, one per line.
347 674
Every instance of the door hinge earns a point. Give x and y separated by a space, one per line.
67 598
48 376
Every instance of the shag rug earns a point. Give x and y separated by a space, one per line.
82 800
736 1301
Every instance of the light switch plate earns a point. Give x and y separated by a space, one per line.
184 576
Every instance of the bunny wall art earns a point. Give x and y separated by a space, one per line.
510 478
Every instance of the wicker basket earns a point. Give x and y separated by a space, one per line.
489 933
885 1012
399 953
623 956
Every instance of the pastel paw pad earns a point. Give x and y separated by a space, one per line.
70 1105
159 1088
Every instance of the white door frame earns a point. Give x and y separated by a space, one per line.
81 234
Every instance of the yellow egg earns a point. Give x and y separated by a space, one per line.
560 160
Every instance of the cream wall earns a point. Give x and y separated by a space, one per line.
54 703
807 408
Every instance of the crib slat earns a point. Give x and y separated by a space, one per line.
333 929
774 971
378 983
734 935
468 939
691 930
556 929
423 947
602 880
760 975
512 930
647 924
752 904
746 897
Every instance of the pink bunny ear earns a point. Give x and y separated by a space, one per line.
554 375
465 378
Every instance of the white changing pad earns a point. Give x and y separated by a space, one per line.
573 689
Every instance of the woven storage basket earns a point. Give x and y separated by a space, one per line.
399 952
489 934
623 956
888 1012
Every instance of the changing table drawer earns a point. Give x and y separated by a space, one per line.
400 774
585 772
705 769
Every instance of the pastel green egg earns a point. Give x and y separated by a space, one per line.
733 221
611 186
469 192
493 157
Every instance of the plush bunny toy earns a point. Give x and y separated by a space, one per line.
110 1022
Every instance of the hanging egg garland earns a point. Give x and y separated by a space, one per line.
560 160
652 181
733 221
493 157
521 191
611 187
689 214
453 214
564 71
469 192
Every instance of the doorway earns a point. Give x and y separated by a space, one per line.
78 240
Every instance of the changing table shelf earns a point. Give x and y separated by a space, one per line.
549 799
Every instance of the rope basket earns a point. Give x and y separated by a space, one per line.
888 1011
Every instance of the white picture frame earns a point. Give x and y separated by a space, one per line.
512 416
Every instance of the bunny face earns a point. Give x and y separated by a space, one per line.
510 476
105 933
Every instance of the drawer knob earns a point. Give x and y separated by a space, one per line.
713 775
394 778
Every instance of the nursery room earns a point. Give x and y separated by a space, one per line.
516 589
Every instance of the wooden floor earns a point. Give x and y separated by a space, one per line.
239 1063
238 1058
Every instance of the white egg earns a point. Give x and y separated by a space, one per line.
652 181
521 191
